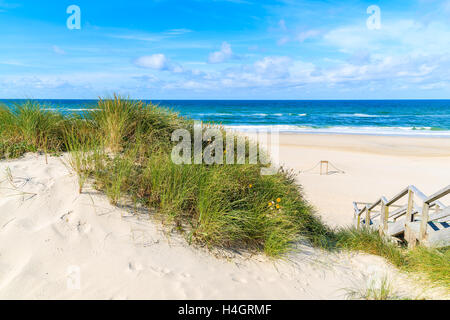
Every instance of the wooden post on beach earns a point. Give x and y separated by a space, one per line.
321 165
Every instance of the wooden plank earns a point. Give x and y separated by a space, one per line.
443 213
363 203
398 213
397 197
438 239
437 195
437 203
360 212
408 234
375 204
410 207
356 216
384 217
396 228
418 193
424 222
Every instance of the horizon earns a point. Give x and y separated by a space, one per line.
226 50
149 99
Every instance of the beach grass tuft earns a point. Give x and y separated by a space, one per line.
29 127
432 264
369 241
376 289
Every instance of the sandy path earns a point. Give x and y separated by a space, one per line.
55 243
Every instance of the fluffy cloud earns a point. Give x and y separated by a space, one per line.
404 57
156 61
394 37
273 66
307 34
224 54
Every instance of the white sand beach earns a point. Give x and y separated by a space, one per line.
58 244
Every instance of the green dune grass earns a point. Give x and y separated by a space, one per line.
431 263
124 147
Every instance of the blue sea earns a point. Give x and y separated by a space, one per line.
376 117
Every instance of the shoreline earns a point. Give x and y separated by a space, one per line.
412 133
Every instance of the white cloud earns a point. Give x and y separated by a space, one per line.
178 31
138 37
151 37
401 36
223 55
283 40
307 34
272 65
159 62
14 63
156 61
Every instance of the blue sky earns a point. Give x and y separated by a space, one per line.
225 49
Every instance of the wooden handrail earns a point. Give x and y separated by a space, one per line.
441 193
400 195
418 193
410 210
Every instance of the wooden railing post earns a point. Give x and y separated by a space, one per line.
409 210
409 236
358 220
424 222
367 224
384 216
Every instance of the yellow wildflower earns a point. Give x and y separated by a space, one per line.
278 200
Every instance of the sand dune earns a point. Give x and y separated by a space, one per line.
58 244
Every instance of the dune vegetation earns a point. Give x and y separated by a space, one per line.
123 148
433 264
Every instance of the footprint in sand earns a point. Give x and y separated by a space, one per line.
238 279
161 272
133 267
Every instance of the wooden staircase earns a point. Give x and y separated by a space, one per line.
421 219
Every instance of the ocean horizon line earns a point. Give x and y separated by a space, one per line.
218 99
